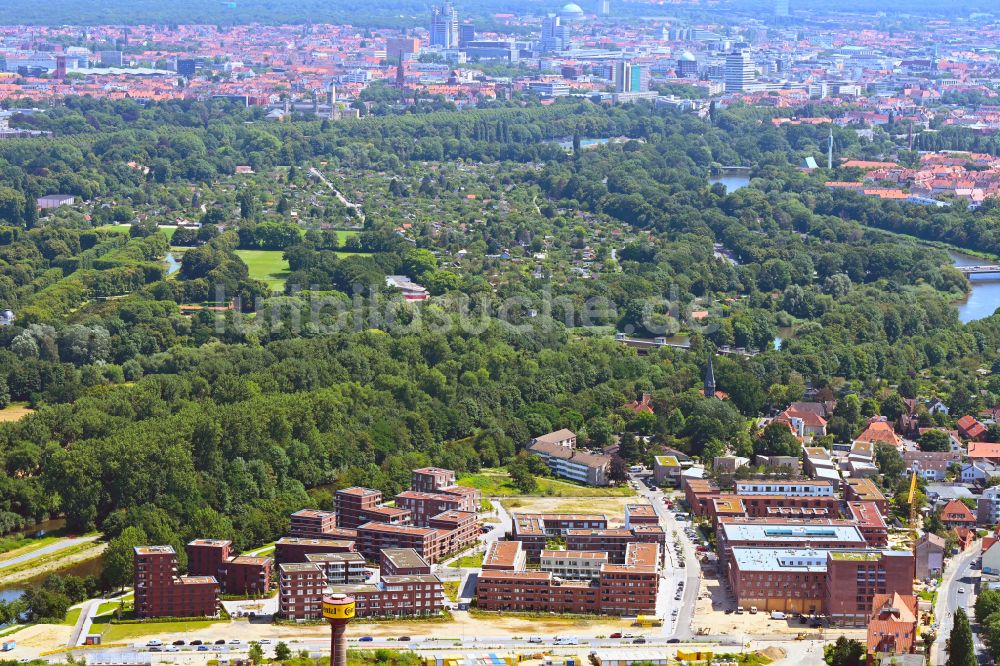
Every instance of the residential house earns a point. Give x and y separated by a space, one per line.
988 506
880 431
954 440
991 561
929 555
988 451
892 628
641 406
931 465
957 514
978 472
970 428
806 424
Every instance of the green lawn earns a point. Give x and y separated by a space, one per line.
107 608
266 265
343 235
116 228
451 589
15 546
72 616
169 231
469 561
497 483
122 632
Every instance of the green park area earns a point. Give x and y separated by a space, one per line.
497 483
268 266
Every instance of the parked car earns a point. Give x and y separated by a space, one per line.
639 641
673 640
196 641
202 648
537 639
221 641
617 634
365 639
180 643
403 638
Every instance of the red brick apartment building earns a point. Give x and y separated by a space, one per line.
423 506
504 556
698 493
160 592
248 575
837 583
640 514
207 557
461 527
300 591
291 550
341 568
397 596
353 505
312 524
403 562
865 490
434 480
427 541
431 479
871 523
620 589
533 530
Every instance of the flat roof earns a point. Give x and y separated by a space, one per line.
667 461
780 559
335 557
248 560
415 578
404 558
197 580
502 553
397 529
298 567
312 513
154 550
640 510
210 542
300 541
763 532
642 554
576 554
358 490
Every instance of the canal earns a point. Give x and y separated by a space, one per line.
984 298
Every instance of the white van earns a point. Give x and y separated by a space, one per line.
777 615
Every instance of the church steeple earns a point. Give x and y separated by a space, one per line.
710 379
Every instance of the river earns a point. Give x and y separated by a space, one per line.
984 298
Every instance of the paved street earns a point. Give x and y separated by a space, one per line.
957 591
54 547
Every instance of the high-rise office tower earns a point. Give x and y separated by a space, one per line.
555 34
629 77
604 8
687 65
466 34
444 26
740 73
187 67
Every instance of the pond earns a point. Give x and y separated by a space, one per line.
732 182
984 298
172 264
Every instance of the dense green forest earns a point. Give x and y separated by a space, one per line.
159 424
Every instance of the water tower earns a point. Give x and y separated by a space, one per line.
338 610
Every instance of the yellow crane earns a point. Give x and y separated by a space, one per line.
912 499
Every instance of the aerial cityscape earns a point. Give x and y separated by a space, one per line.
490 332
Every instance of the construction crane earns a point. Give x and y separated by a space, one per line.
912 499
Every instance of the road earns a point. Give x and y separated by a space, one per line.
674 626
54 547
958 575
340 197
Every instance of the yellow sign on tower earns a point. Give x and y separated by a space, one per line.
338 609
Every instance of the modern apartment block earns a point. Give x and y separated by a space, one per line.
353 505
573 564
785 533
838 583
374 537
431 479
246 575
207 557
460 529
504 556
312 524
640 514
786 488
865 490
300 590
403 562
341 568
290 550
396 596
622 589
423 505
616 542
160 592
534 530
558 450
